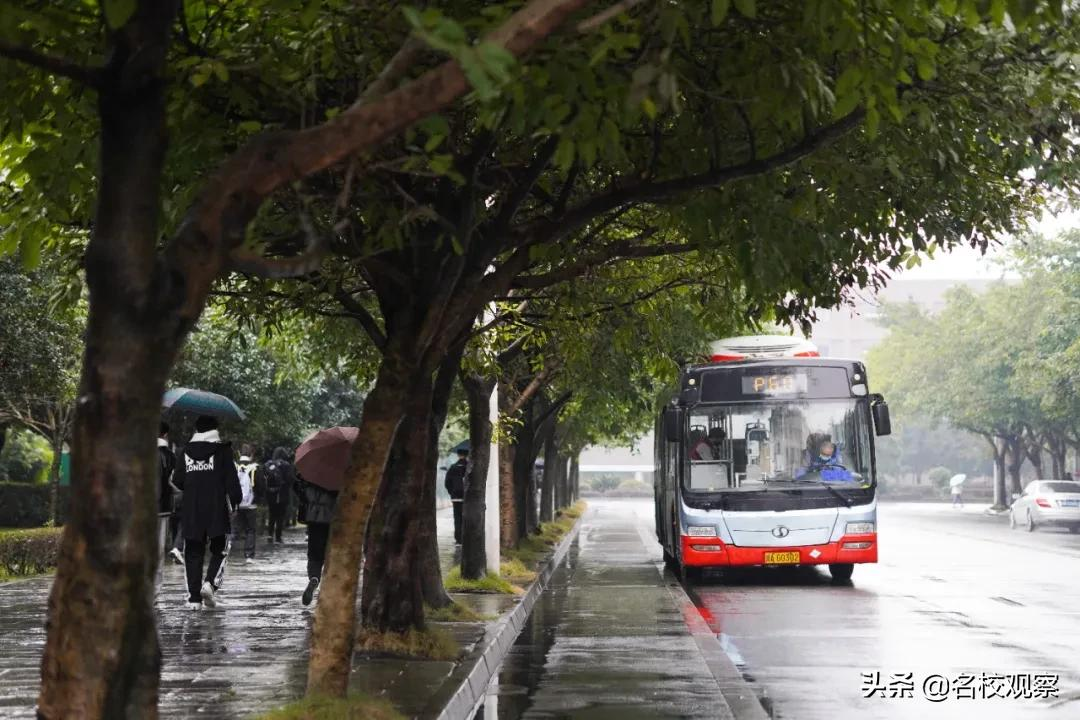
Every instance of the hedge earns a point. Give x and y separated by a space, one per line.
29 552
24 506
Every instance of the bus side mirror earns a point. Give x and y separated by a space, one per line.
880 410
673 423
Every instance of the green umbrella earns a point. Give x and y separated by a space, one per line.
201 402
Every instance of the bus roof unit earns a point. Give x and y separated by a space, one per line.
759 347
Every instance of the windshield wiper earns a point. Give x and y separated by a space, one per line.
832 491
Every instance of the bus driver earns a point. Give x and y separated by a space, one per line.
821 453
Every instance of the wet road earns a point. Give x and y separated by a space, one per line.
955 594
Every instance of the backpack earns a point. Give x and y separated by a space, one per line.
277 481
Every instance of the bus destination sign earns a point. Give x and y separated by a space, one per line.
786 384
747 383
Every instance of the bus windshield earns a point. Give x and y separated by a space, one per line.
747 446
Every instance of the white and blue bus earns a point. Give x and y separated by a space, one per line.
765 456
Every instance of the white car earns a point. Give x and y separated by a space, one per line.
1047 502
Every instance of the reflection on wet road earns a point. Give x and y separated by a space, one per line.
956 594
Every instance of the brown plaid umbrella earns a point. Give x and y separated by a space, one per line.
323 457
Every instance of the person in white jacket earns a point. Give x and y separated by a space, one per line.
245 512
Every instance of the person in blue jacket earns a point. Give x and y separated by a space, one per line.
822 456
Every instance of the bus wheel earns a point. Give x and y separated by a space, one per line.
841 571
690 573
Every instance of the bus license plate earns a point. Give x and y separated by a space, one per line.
781 558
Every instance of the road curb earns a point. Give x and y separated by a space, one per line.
739 694
470 679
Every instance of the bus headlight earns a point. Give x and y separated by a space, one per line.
859 528
701 530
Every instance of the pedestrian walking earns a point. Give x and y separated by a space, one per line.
316 510
958 495
208 478
278 479
455 479
166 488
245 513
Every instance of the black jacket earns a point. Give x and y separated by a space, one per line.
316 504
206 473
166 465
455 479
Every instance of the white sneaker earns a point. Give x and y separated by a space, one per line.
194 605
177 556
208 594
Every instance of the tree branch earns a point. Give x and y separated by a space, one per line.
618 251
524 187
307 262
366 319
633 190
89 76
232 196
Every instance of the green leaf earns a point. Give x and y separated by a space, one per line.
118 12
845 104
873 121
564 153
719 11
249 126
748 8
997 12
30 251
649 107
924 68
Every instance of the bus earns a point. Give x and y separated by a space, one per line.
765 456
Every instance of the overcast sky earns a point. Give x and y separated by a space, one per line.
965 263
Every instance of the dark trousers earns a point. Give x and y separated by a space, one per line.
275 520
176 534
318 534
194 551
459 506
245 528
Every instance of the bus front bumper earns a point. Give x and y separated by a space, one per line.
711 552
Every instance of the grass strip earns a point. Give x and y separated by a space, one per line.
354 707
429 644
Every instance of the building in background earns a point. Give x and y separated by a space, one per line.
850 331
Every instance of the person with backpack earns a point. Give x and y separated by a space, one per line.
456 475
278 478
316 510
206 473
245 512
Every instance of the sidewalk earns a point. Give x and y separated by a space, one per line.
245 657
607 639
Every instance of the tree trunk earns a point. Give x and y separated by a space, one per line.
1001 495
473 554
3 435
431 579
547 484
335 617
101 657
393 599
508 526
1015 461
54 481
524 462
562 477
575 478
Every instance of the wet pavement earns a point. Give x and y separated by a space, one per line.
246 656
957 597
607 639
